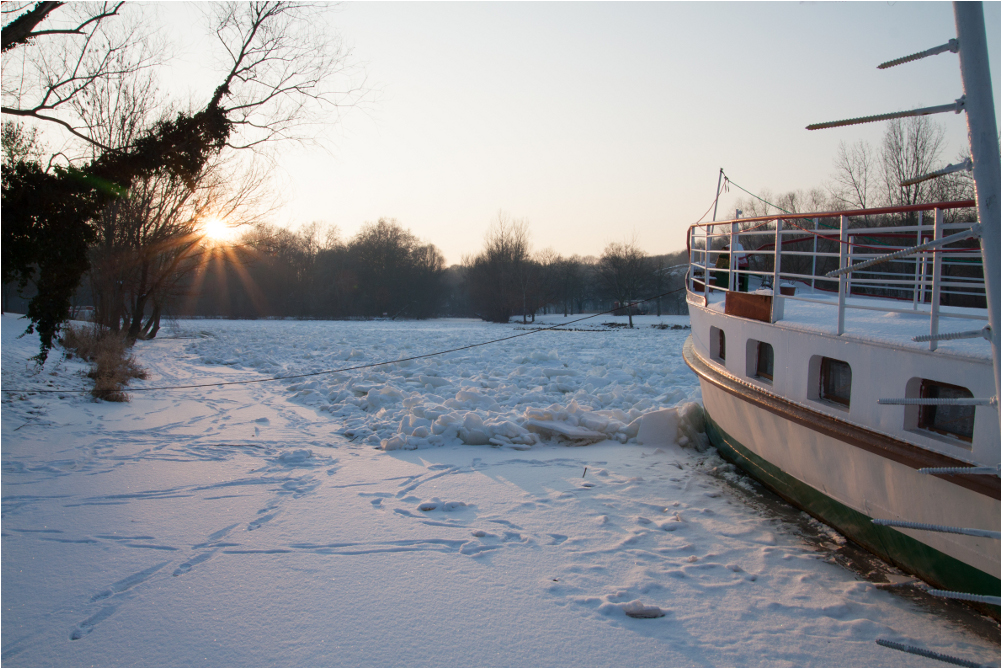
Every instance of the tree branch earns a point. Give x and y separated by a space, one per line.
19 31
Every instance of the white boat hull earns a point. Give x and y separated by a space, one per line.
847 476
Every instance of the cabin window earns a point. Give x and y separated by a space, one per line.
718 344
759 360
953 421
763 366
836 381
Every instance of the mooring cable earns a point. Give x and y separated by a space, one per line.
348 369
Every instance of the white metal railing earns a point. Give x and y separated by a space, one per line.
842 255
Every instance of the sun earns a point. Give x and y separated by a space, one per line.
216 229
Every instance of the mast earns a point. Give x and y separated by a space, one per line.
717 198
983 138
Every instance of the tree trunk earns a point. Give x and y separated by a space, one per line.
136 325
153 324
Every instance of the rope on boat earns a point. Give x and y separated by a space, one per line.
857 245
974 231
728 180
914 650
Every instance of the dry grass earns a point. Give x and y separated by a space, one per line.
112 365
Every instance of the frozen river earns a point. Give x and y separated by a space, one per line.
496 506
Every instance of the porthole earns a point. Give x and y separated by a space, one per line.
760 360
952 421
835 381
718 344
766 359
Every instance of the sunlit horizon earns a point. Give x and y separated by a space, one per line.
217 230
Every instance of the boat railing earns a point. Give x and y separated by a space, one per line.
924 255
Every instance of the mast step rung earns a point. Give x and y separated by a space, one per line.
966 165
940 401
997 471
967 597
952 46
967 531
985 332
957 106
932 655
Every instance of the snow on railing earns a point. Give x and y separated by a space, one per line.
895 253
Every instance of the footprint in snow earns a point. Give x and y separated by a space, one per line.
481 534
506 523
253 525
217 535
85 627
636 609
435 504
298 487
296 457
185 567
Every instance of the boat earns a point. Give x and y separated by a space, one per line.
849 360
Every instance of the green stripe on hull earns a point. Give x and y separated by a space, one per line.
911 555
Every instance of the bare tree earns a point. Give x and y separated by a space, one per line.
855 179
288 72
82 45
622 270
548 286
910 149
493 275
281 66
397 274
151 239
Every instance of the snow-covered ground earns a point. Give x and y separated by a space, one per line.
437 512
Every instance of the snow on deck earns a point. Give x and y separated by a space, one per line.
266 524
872 323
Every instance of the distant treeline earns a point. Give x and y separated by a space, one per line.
385 271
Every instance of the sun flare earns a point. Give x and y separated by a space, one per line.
216 229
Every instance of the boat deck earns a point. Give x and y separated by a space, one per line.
868 319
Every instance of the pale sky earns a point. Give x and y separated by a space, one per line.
597 121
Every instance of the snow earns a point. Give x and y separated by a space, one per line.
543 501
